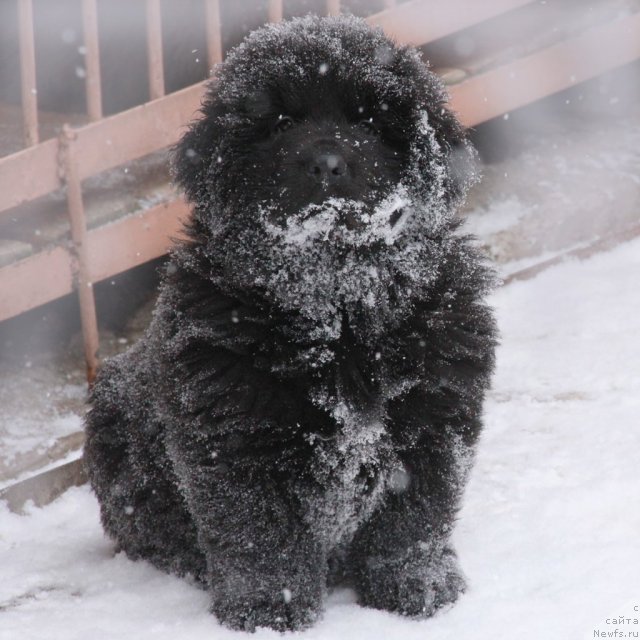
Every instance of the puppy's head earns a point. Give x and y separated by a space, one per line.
328 138
318 109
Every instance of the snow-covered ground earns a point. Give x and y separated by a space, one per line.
548 534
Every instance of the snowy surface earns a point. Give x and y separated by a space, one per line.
38 406
548 534
568 186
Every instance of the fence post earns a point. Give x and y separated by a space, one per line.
80 257
214 33
275 10
333 7
92 59
154 49
28 72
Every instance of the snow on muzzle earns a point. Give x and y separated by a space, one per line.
350 222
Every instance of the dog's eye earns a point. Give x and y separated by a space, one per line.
369 127
283 123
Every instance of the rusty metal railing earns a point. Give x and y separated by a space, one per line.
105 143
57 163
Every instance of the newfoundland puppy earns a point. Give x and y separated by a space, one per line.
303 409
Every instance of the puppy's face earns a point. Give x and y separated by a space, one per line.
325 168
320 142
319 110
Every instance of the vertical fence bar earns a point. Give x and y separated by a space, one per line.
78 223
154 50
214 33
92 59
275 10
28 72
333 7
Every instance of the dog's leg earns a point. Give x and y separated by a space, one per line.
140 506
265 566
402 558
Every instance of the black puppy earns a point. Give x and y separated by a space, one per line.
304 406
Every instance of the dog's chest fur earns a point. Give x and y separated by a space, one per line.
351 471
353 463
330 399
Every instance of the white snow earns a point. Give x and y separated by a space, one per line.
548 534
38 406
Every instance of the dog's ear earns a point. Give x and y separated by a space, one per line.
437 123
197 151
460 155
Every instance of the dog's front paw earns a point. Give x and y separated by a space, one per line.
416 585
284 612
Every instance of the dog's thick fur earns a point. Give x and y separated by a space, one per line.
304 406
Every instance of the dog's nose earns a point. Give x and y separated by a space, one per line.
327 166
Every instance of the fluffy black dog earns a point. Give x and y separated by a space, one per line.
304 406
